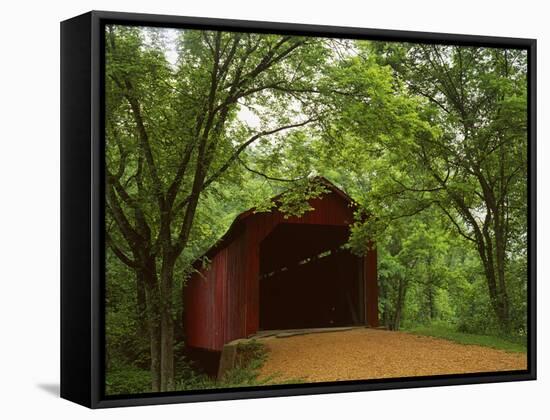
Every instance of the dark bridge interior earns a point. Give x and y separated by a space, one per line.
307 280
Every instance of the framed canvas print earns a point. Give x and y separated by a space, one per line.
255 209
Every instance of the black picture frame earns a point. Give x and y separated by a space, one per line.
82 208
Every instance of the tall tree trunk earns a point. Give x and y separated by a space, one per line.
161 327
385 306
167 352
152 301
502 295
401 292
167 325
154 336
497 291
141 299
431 291
154 328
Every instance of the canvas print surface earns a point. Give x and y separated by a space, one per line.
288 209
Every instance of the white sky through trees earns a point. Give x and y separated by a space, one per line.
168 38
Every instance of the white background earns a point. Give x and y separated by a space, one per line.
29 208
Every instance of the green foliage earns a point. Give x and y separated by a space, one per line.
127 379
126 340
437 131
250 358
295 201
430 141
442 330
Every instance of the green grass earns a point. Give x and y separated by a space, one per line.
251 357
448 333
127 379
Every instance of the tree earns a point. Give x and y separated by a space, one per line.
429 140
414 268
172 132
453 137
475 169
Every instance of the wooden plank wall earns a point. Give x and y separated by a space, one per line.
224 305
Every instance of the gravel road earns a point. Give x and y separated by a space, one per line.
368 354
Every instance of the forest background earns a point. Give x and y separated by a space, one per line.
431 140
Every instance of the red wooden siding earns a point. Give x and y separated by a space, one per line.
223 303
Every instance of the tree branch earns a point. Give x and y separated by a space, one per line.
119 253
235 155
130 234
271 178
454 222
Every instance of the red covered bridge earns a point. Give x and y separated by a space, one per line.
268 272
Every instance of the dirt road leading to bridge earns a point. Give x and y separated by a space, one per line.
368 354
